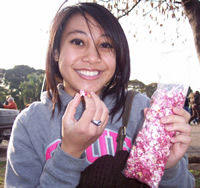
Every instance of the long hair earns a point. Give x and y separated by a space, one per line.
119 82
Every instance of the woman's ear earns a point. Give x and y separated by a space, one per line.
56 55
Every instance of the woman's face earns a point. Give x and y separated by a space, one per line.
80 64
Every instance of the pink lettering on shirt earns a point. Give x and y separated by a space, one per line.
105 145
51 148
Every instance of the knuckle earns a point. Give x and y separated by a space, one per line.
82 131
92 133
107 112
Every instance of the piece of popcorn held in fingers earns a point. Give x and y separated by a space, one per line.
84 93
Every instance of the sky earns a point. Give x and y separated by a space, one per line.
24 36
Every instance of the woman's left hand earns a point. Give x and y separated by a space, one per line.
182 140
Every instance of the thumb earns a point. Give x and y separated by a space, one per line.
145 111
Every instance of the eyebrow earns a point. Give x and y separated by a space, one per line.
76 31
84 33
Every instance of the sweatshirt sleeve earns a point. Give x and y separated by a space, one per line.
178 176
25 169
62 170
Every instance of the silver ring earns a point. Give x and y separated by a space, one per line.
96 122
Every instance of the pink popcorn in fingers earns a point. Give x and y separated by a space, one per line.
149 155
84 93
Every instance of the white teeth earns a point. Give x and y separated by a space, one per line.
88 73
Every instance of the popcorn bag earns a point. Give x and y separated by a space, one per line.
149 155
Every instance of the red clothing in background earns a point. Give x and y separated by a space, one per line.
11 105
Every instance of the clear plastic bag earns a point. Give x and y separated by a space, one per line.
149 155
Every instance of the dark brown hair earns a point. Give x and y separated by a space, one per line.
113 30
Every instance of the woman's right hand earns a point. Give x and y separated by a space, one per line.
79 135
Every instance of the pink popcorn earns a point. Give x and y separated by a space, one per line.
84 93
148 157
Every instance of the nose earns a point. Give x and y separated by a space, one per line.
92 55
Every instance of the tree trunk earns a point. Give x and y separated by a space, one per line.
192 11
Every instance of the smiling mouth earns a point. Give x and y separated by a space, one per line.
88 73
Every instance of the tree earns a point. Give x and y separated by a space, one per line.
142 88
3 89
2 75
137 86
121 8
150 89
31 89
15 76
19 74
3 93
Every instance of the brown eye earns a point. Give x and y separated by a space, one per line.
77 42
106 45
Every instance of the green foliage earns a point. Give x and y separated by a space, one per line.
31 89
2 73
3 90
150 89
23 83
3 93
2 172
13 77
142 88
196 174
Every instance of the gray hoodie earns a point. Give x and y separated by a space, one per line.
35 158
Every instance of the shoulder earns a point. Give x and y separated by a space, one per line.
36 112
136 118
141 100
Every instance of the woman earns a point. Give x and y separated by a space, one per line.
65 132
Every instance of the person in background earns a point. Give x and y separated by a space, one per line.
11 104
187 100
195 107
7 97
54 140
6 101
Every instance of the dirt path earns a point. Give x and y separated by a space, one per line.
194 150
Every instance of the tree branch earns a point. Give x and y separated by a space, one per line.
154 8
128 11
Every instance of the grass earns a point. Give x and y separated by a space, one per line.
195 173
2 173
